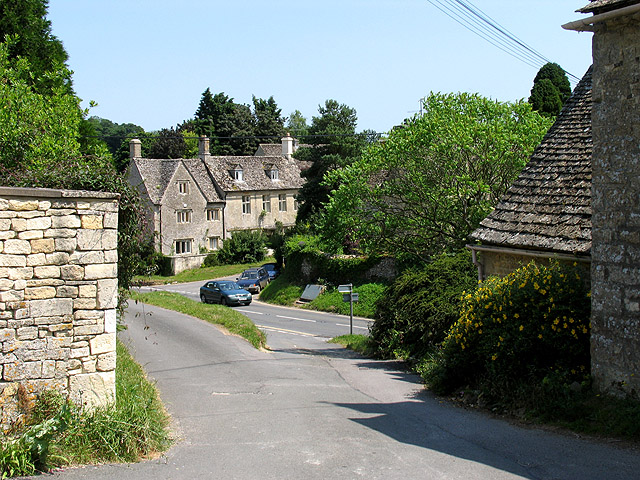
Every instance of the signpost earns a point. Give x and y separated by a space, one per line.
348 295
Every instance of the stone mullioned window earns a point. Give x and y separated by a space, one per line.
58 295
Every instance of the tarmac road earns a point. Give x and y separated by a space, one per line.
323 412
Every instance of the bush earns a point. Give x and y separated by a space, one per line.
416 311
244 246
523 327
331 300
211 260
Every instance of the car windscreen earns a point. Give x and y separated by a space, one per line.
249 275
229 286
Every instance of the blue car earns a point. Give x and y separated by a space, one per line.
224 292
253 279
272 269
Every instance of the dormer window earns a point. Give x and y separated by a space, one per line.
236 174
272 172
183 187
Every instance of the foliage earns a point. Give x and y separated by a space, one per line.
283 290
36 44
551 88
115 134
333 143
415 312
427 187
269 123
297 124
211 260
369 294
244 246
168 143
358 343
58 432
525 326
233 321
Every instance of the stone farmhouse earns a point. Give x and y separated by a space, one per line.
195 204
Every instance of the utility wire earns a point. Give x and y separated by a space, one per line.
479 23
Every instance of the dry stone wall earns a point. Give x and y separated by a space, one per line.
58 296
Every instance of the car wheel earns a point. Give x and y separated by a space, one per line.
223 301
258 289
203 298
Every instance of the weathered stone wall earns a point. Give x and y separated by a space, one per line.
58 295
615 345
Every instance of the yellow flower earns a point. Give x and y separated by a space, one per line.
517 315
540 336
521 327
493 357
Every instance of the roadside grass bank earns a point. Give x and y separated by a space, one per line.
550 403
55 432
198 274
233 321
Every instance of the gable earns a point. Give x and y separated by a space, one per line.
548 207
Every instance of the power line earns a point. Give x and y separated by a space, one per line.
479 23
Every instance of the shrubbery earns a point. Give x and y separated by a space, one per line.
415 312
244 246
530 326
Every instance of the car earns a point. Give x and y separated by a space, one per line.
272 269
224 292
253 279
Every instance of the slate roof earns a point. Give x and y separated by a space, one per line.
269 149
601 6
254 174
158 173
548 207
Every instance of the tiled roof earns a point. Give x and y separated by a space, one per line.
269 149
197 169
255 173
549 206
601 6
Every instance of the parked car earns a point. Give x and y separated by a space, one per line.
272 269
253 279
225 292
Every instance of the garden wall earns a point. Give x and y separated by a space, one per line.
58 296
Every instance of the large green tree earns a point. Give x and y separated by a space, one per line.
430 183
332 143
297 124
36 43
551 88
269 123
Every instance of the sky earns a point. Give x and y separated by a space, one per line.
148 62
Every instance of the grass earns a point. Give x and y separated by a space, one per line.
58 432
358 343
198 274
233 321
281 292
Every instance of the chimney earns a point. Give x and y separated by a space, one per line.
203 147
287 145
135 148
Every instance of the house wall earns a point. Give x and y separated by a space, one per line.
615 345
236 220
58 296
502 263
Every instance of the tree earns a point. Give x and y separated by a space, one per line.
112 133
427 187
551 88
268 120
297 124
333 144
36 43
168 143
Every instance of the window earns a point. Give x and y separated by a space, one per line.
266 203
246 204
183 216
214 243
236 174
282 202
183 187
213 214
272 172
182 247
295 203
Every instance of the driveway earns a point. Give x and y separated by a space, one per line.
323 412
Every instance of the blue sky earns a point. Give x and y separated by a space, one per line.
148 61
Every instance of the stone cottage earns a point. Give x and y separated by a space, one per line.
195 204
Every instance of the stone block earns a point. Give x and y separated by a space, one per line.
66 221
60 327
6 234
44 282
110 220
12 260
23 205
16 246
93 389
80 315
110 321
88 330
108 293
89 239
52 307
44 205
67 291
39 223
87 257
103 344
72 272
60 233
103 206
11 296
39 293
36 260
48 368
57 258
22 371
109 240
65 244
85 303
20 273
6 284
48 271
106 362
31 234
43 245
88 365
5 224
18 224
87 291
20 284
79 352
98 272
7 335
91 222
111 256
27 333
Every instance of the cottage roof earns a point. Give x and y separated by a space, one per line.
601 6
255 172
269 149
548 207
158 173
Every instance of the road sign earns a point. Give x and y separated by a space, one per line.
345 288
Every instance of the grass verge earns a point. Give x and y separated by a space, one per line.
57 432
358 343
198 274
233 321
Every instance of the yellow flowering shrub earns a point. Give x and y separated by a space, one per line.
524 326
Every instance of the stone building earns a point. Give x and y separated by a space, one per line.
615 254
195 204
58 296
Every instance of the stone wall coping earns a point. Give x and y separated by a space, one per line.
55 193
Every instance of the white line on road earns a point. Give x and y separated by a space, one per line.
284 330
355 326
296 318
250 311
